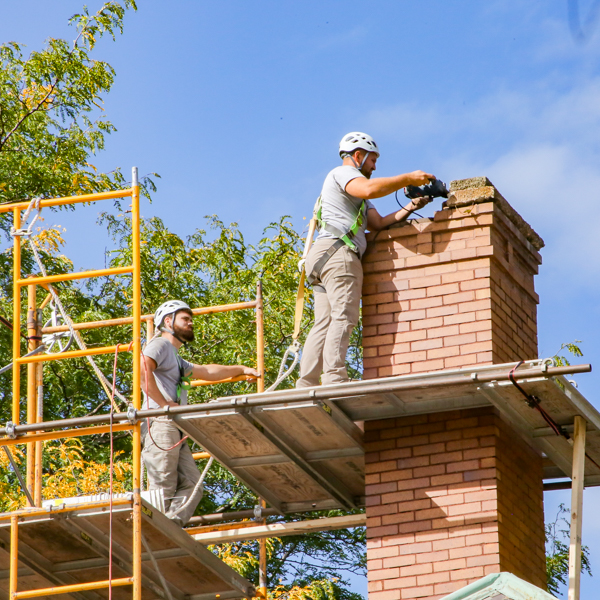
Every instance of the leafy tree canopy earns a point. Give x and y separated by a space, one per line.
51 115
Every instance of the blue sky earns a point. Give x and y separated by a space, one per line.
240 105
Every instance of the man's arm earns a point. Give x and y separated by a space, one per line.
375 221
149 382
217 372
367 189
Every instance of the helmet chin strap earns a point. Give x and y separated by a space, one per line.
362 164
171 331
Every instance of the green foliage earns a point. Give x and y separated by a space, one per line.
51 125
557 552
212 267
573 348
49 106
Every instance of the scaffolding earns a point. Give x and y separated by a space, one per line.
34 514
299 450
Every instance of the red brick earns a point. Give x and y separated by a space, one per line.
425 282
420 569
453 362
443 290
427 344
442 311
417 592
450 565
443 331
485 346
398 584
470 573
462 318
434 557
428 365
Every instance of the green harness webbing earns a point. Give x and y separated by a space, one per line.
342 238
347 236
185 381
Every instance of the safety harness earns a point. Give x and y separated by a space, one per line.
343 238
185 381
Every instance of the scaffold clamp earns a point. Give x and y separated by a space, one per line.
258 512
10 430
132 415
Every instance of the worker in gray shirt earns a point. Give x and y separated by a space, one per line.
333 264
165 379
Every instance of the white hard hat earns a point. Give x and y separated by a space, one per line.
167 308
356 140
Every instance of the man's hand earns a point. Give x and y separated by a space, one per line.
250 371
419 203
301 264
420 177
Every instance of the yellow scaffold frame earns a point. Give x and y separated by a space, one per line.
34 380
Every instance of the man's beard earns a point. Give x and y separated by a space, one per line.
187 335
367 175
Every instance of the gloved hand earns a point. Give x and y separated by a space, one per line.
301 264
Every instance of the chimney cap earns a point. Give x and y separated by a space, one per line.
476 190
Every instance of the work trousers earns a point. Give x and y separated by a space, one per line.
337 309
173 471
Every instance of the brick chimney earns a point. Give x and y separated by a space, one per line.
451 496
452 291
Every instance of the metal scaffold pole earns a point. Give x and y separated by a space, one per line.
136 349
260 387
16 369
33 341
36 355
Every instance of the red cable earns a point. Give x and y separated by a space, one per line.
534 402
110 477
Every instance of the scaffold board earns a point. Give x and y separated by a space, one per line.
71 546
308 456
302 450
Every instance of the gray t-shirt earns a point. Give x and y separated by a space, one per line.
338 208
167 372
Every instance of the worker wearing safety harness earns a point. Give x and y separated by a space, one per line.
343 212
165 380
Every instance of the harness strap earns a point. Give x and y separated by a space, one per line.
185 381
338 233
315 275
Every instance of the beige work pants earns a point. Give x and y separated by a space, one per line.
173 470
337 309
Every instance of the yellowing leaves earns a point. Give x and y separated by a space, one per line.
70 475
36 95
50 240
317 590
79 477
81 182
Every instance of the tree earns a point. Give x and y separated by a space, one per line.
49 105
211 267
557 551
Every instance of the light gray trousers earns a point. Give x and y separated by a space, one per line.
337 309
173 471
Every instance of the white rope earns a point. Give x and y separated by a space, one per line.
104 381
292 350
199 487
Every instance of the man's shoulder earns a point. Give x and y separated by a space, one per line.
346 170
158 346
336 181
